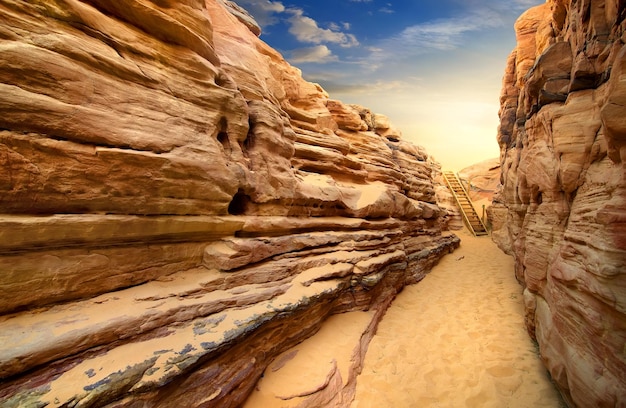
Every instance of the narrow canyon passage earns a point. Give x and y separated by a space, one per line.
457 339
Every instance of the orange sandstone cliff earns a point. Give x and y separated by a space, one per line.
562 209
178 206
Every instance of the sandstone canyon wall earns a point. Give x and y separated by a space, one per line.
178 206
562 208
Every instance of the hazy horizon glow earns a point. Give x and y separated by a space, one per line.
434 67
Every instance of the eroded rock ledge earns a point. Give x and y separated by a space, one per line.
562 210
178 206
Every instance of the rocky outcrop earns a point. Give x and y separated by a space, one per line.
178 206
562 139
482 179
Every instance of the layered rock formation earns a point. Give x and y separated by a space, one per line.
562 211
178 206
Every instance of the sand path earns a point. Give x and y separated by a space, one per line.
457 339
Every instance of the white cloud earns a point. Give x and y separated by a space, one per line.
265 12
441 35
340 26
502 9
436 35
306 30
319 54
387 9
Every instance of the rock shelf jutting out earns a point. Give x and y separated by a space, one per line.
178 206
562 209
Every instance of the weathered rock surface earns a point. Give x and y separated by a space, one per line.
483 179
563 144
178 206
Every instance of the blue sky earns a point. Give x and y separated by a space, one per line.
433 66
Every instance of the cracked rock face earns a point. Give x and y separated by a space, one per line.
178 206
562 208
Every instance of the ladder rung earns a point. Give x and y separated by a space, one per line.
473 221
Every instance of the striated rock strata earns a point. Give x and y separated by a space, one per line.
562 211
178 206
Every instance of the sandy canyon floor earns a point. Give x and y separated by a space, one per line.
456 339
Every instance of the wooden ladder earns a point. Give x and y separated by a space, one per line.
470 216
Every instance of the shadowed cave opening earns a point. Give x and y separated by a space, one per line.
222 138
222 135
239 204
